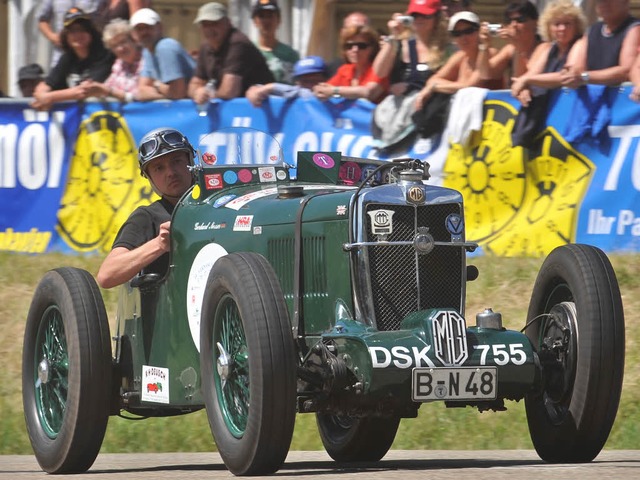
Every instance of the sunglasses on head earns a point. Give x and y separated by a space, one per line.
466 31
359 45
520 19
151 147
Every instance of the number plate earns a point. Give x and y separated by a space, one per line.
454 383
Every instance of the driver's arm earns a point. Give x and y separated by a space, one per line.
122 264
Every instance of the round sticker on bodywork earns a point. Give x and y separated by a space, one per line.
196 284
323 160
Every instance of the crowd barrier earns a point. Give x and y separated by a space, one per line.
69 177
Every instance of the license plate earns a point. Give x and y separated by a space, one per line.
454 383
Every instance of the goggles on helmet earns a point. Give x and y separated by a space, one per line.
170 140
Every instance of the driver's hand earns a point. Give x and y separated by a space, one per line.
163 236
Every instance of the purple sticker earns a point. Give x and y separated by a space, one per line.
245 176
323 160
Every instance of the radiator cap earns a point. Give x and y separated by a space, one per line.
489 319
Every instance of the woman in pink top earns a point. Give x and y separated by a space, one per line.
122 84
356 79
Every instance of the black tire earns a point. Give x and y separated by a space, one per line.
66 371
248 364
350 439
576 324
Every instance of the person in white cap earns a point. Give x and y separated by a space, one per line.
227 57
461 70
167 66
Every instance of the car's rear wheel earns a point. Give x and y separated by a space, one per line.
576 324
351 439
248 363
66 371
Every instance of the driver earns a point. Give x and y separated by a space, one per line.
165 156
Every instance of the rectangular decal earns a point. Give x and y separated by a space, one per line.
243 223
155 384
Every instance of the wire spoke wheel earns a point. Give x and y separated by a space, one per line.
232 372
248 363
52 370
66 371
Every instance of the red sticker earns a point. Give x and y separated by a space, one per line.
350 173
209 158
245 176
213 181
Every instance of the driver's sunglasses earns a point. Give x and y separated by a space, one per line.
152 146
466 31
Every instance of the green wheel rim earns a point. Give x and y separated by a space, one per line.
232 366
51 372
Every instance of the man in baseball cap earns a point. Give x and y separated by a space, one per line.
144 16
28 77
167 67
279 56
307 72
211 12
226 57
73 15
265 5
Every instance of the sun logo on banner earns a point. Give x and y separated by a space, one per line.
104 184
518 202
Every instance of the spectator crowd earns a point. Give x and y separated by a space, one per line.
427 53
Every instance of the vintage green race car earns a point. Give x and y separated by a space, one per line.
335 287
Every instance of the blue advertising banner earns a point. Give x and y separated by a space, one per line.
35 148
69 177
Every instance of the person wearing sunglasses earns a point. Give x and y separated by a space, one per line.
416 47
520 31
165 157
356 78
607 51
461 70
561 25
414 51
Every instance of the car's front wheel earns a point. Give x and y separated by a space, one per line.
576 324
248 364
66 371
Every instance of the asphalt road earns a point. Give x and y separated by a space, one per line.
409 464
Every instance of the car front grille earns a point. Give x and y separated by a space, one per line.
402 281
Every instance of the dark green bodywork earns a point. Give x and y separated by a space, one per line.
154 328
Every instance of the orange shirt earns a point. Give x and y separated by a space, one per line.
346 73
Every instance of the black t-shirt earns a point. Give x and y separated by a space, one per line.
238 56
143 225
70 69
603 51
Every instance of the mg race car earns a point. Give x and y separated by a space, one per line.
326 285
